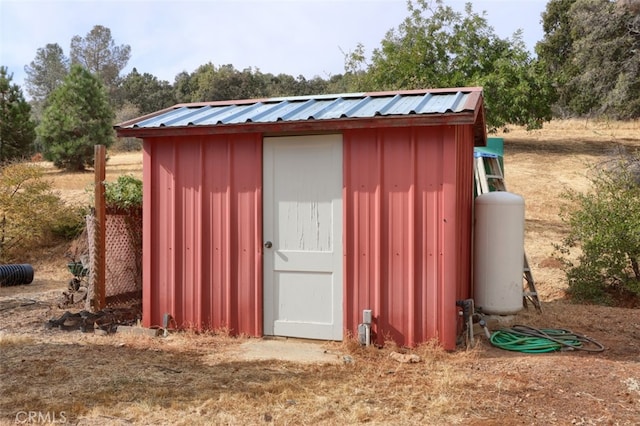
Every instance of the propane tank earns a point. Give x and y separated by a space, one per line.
499 252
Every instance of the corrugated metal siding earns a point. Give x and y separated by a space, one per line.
406 246
202 226
328 107
465 181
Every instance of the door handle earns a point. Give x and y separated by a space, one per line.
268 244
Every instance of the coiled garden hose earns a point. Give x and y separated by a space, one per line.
522 338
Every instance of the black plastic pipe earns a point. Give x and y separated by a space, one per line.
15 275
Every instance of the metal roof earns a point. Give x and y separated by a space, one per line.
311 108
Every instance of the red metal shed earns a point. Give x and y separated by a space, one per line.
291 216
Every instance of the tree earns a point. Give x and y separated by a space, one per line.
183 87
356 78
77 118
17 130
438 47
146 92
555 50
45 73
316 85
518 91
604 228
98 53
211 83
606 51
281 85
591 50
287 85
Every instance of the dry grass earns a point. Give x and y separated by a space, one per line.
78 187
169 382
8 340
199 378
541 165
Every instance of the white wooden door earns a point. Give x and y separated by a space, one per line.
302 232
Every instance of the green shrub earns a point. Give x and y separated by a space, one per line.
604 231
124 193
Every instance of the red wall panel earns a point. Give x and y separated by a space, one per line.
202 259
407 230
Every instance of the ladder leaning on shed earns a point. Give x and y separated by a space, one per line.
488 178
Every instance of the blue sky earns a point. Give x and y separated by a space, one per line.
301 37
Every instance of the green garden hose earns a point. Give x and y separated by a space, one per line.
522 338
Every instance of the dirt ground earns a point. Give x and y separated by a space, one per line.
206 379
189 378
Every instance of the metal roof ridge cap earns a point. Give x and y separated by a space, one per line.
323 110
425 99
223 102
434 91
322 97
304 105
389 104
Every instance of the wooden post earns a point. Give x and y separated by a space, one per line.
101 226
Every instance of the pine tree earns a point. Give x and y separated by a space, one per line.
46 72
17 130
78 117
